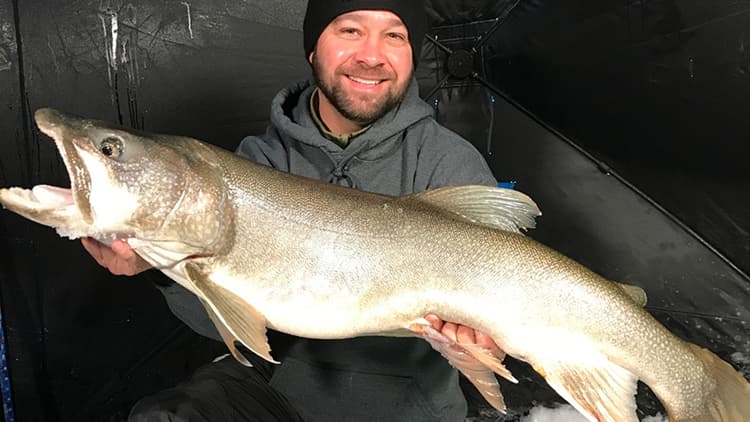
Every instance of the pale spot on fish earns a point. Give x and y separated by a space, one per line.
110 203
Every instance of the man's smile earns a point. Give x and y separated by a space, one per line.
364 81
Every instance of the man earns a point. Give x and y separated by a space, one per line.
360 124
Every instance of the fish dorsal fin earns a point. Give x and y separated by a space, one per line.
598 388
234 317
477 364
499 208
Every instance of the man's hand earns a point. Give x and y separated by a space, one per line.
119 259
461 334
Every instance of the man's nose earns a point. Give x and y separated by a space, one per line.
370 52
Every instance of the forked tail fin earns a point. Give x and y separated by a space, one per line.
728 400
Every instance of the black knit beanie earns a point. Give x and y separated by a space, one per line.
321 12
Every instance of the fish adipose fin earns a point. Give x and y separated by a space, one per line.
499 208
234 318
475 363
599 389
634 292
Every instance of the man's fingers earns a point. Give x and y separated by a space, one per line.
122 249
435 321
122 267
449 330
138 264
119 259
93 248
465 335
485 341
461 334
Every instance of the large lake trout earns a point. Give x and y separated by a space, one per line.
263 248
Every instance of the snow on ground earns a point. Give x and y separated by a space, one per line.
742 360
562 413
566 413
658 418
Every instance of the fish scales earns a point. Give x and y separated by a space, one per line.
262 248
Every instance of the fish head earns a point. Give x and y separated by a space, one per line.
126 184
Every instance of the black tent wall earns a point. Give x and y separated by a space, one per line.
653 89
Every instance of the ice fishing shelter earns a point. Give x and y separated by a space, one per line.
625 120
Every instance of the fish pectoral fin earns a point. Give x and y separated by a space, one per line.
499 208
234 317
598 388
465 359
226 335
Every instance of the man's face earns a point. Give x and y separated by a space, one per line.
363 64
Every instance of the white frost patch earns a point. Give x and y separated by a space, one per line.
563 413
8 42
741 360
656 418
189 18
566 413
739 357
110 38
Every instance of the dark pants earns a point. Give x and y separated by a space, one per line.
222 391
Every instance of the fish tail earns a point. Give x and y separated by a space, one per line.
728 400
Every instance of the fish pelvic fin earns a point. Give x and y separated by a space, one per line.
727 400
233 316
475 363
598 388
498 208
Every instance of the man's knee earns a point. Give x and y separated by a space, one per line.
220 391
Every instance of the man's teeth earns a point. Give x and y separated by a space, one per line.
365 81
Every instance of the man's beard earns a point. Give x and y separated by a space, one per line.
362 115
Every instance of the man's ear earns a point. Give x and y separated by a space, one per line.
310 57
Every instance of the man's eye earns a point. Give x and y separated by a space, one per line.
397 36
352 31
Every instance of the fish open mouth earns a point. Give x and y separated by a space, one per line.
66 209
45 197
49 205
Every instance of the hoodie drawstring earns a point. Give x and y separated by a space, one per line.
340 176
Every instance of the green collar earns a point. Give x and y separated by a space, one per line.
341 139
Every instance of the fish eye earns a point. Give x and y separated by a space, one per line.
111 147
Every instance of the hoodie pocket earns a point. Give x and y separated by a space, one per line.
335 394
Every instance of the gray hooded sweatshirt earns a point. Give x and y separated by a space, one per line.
366 378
